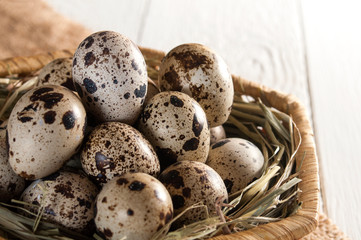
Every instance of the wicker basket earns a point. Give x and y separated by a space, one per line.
294 227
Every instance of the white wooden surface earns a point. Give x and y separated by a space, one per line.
333 41
310 49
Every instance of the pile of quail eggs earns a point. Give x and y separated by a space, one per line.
147 150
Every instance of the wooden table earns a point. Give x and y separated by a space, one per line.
311 49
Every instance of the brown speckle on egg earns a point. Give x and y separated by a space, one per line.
140 93
11 185
172 177
49 117
88 42
198 71
138 212
90 85
108 233
127 95
192 59
191 144
136 186
220 143
130 212
69 119
57 72
176 126
47 96
89 59
175 101
110 76
167 156
68 201
116 148
122 181
237 161
64 190
43 123
190 182
24 174
197 126
178 201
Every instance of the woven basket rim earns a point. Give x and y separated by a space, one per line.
293 227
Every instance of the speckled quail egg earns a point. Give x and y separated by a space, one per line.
57 72
67 198
45 129
114 148
11 185
217 133
153 90
110 76
201 73
132 206
176 126
238 162
190 182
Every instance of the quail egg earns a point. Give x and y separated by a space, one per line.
67 198
217 133
237 161
57 72
176 126
45 128
11 185
114 148
153 90
110 76
132 206
190 182
202 74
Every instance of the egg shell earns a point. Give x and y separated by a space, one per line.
115 148
202 74
134 205
217 133
190 182
45 128
57 72
11 185
67 197
238 162
110 76
176 126
153 90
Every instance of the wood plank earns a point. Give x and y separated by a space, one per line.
122 16
260 40
333 38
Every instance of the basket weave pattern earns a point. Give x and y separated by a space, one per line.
294 227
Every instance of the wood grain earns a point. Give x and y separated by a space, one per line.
125 17
260 40
333 40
